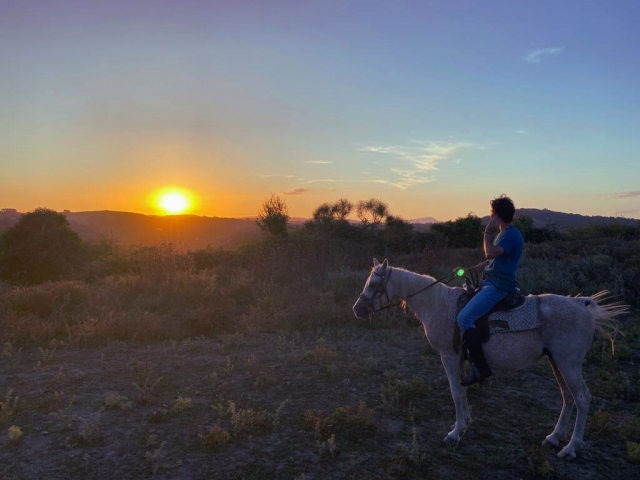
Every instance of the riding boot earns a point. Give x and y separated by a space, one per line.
479 369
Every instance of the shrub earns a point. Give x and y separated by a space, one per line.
462 232
633 451
215 437
40 247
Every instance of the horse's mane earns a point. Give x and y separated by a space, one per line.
414 282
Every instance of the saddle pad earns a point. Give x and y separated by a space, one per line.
522 318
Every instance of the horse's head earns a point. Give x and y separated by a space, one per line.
374 289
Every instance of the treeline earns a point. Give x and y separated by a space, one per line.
42 247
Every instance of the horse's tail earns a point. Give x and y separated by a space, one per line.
606 315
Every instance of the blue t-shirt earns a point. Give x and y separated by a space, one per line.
503 270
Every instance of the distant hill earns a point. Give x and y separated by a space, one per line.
424 220
544 218
190 231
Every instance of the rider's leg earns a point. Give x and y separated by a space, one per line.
477 307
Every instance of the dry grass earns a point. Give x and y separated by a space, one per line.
258 357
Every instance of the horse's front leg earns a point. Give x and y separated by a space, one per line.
452 365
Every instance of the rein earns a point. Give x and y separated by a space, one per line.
446 279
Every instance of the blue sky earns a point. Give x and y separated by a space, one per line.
434 107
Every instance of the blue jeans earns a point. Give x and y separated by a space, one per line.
479 305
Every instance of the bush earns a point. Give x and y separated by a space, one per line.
40 247
465 232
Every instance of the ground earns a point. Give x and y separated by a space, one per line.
357 402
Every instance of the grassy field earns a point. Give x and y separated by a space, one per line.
226 365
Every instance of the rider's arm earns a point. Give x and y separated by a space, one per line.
491 251
479 268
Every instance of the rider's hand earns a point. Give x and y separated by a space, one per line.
493 226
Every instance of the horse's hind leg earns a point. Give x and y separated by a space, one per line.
560 431
572 374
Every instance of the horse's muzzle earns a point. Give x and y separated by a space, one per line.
362 307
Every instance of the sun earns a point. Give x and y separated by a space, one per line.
174 201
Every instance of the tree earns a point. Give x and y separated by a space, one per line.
462 232
524 223
329 212
40 247
372 211
323 214
341 209
398 234
273 217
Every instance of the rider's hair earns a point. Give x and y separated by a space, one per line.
503 207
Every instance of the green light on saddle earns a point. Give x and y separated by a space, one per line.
460 272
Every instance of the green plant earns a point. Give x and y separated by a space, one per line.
145 389
273 217
372 211
328 446
600 422
46 354
181 404
322 355
278 414
215 437
630 427
633 451
15 434
9 406
412 453
247 420
396 389
462 232
120 402
88 433
154 458
9 350
40 247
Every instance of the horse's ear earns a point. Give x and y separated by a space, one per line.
375 262
385 264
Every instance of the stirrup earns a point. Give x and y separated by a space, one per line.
473 377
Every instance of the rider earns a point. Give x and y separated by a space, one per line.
499 278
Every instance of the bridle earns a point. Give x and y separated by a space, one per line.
377 294
382 290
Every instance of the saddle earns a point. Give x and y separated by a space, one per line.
512 301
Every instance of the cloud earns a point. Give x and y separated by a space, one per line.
536 55
272 175
319 162
296 191
635 193
378 149
321 180
522 132
421 156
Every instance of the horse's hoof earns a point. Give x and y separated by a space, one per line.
452 438
567 453
551 441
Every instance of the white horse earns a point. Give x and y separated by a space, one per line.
565 336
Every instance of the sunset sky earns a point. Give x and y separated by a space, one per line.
434 107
